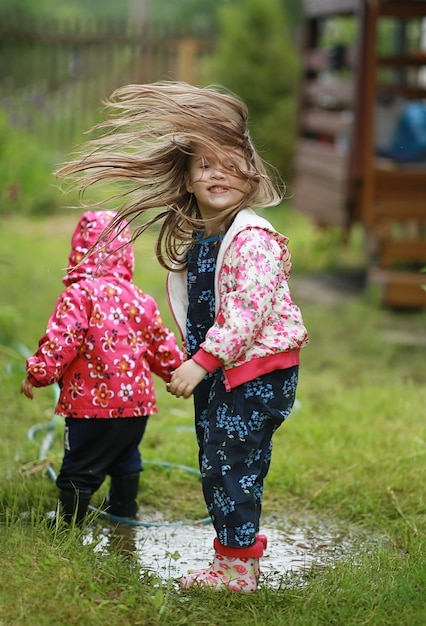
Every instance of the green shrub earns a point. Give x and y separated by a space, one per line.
26 182
10 320
257 59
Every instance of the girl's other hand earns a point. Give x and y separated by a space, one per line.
27 388
185 378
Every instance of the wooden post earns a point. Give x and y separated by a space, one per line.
186 60
368 63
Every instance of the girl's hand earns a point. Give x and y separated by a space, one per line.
185 378
27 388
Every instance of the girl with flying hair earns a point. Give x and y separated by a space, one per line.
188 163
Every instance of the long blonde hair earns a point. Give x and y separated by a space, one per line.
146 139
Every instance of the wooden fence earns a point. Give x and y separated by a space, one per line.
54 75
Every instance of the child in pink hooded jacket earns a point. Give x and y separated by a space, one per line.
103 340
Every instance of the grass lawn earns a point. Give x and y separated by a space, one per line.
354 453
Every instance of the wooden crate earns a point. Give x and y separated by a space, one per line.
398 289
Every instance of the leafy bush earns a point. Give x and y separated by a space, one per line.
26 181
257 59
9 324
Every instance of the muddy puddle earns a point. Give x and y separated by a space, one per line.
168 551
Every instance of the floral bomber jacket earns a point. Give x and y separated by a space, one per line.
258 328
105 335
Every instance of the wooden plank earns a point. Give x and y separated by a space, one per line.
402 8
398 192
330 123
403 177
407 250
399 208
405 187
318 59
402 294
417 60
397 288
321 160
320 183
319 189
319 150
409 92
318 8
324 203
329 93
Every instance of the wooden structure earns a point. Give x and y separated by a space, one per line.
352 96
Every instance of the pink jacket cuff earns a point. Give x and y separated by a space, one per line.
206 360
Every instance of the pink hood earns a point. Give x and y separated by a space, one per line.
113 256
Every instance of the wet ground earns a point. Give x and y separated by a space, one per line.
168 551
295 545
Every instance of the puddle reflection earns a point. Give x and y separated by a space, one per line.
171 550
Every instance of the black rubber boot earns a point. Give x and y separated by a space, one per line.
74 505
123 491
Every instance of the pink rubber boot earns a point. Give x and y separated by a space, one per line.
233 569
264 541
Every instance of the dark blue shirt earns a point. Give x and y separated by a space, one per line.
200 283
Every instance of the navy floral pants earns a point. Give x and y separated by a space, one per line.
234 433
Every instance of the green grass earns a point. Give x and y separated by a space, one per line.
354 454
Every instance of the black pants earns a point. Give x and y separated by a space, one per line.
96 448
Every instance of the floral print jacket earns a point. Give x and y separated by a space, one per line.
257 328
105 335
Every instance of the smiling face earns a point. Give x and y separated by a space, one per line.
216 182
